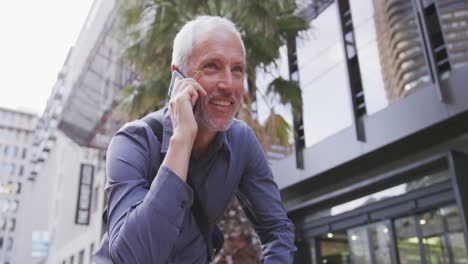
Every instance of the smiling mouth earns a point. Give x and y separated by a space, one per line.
221 102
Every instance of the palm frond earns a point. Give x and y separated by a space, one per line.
288 91
138 99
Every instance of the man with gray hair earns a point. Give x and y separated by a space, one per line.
169 181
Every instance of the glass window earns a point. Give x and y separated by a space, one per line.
9 244
388 42
17 187
422 182
432 232
381 243
454 23
15 152
416 184
21 170
323 78
23 155
12 224
367 43
12 169
407 240
359 245
334 248
2 223
455 234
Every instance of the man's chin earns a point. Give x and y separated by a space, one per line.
215 125
220 126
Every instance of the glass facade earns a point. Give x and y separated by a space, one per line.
454 23
428 236
415 218
426 180
323 78
390 51
417 221
367 42
334 248
407 240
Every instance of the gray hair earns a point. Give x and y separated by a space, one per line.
184 40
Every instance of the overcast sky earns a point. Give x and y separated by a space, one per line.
35 39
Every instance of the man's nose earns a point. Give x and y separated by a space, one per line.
225 81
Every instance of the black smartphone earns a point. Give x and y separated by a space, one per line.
175 74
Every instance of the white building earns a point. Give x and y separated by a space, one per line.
16 130
61 222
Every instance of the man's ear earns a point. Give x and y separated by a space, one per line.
173 68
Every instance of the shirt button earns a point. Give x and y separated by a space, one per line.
183 204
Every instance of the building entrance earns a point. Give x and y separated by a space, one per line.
434 237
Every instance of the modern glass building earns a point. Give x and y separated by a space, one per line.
385 171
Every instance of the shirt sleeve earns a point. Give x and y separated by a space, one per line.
260 198
144 217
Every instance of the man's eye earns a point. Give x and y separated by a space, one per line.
238 69
211 65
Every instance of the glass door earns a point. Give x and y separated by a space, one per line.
435 237
334 248
371 243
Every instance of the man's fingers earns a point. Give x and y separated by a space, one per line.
193 95
180 85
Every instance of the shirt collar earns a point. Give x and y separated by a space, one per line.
220 141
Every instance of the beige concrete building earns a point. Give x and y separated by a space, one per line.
404 67
16 129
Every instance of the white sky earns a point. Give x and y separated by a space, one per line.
35 39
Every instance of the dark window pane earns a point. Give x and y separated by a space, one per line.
334 248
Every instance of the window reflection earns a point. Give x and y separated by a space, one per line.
390 51
362 12
432 232
455 234
407 240
454 23
381 243
359 245
419 183
323 78
334 248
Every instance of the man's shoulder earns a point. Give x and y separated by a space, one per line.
239 130
238 126
140 125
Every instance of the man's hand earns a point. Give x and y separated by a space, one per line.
184 96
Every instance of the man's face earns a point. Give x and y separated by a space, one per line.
217 64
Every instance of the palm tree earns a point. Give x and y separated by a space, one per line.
265 26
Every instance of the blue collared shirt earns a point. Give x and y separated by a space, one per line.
150 221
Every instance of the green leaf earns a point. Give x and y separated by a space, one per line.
289 93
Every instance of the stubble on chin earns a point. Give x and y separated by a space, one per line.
204 120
